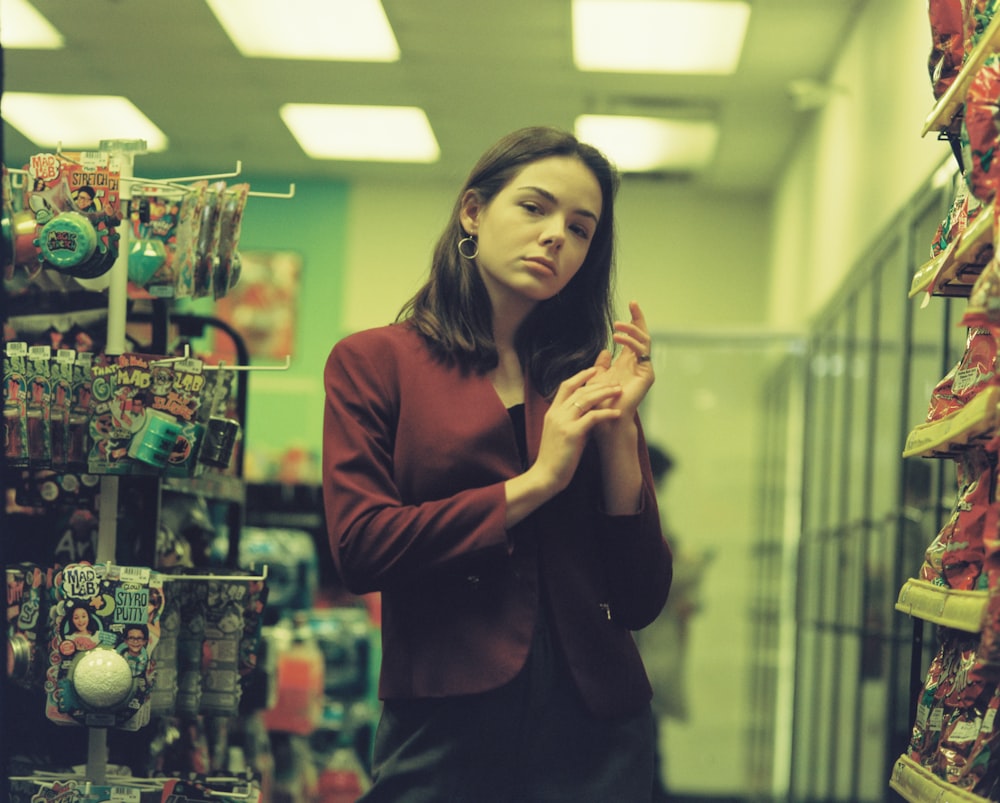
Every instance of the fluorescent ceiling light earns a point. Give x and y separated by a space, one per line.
335 30
646 144
23 27
365 133
79 122
659 36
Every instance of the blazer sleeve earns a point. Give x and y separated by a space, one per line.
377 538
638 560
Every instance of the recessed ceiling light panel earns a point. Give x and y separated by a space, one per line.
659 36
79 122
646 144
332 30
24 27
362 133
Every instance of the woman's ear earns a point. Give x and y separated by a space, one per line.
469 211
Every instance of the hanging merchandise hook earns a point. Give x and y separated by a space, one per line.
210 177
209 577
168 360
223 367
50 780
18 177
289 194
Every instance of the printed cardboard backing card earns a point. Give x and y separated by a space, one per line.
103 607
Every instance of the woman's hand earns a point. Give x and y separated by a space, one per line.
617 439
632 369
582 402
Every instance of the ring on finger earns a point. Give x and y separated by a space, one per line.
578 406
644 358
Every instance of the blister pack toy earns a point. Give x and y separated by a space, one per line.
76 205
78 436
27 612
143 413
227 271
38 407
15 414
104 626
61 389
188 235
207 249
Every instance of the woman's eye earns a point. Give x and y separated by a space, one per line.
581 231
530 206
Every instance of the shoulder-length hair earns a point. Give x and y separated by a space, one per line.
71 607
563 334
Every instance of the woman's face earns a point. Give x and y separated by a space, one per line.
535 233
80 620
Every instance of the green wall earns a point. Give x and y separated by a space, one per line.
285 408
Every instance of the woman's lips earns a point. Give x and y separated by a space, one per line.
542 262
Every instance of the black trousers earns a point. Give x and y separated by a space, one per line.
531 741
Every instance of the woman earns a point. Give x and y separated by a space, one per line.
485 470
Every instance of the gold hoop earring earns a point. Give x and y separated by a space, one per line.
463 247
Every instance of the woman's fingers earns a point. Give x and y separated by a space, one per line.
634 334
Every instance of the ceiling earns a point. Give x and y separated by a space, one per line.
478 67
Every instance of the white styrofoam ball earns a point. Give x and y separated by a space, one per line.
102 678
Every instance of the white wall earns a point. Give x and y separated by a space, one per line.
862 160
694 261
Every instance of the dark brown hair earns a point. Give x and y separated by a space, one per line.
563 334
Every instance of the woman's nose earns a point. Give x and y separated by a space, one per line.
553 235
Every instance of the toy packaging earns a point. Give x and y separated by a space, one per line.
78 436
104 628
38 407
27 594
15 414
76 203
61 389
143 414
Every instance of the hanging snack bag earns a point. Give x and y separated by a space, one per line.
977 15
983 309
927 725
947 43
980 135
964 551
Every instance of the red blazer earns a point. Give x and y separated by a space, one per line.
415 455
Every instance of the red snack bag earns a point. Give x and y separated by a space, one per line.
975 370
927 725
984 299
980 133
976 15
962 561
947 43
